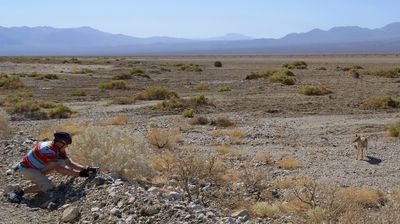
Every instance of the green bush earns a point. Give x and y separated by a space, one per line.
201 99
29 109
10 82
60 111
115 84
283 76
188 113
156 93
314 90
382 102
296 65
217 64
202 87
50 76
394 129
387 73
321 68
137 71
224 89
190 68
200 120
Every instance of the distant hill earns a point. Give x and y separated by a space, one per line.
88 41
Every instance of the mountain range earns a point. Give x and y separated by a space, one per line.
19 41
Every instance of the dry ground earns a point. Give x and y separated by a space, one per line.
276 119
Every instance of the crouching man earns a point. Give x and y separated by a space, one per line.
44 158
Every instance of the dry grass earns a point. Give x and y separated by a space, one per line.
5 130
227 149
382 102
163 138
199 120
115 84
70 127
222 122
314 90
202 87
289 164
119 120
12 82
264 210
360 196
157 93
113 151
394 129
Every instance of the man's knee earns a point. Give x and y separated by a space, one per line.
45 187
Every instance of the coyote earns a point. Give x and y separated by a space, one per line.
361 145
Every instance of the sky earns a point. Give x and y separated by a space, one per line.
200 18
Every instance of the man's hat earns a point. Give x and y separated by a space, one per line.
60 136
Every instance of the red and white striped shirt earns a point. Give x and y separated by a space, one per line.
41 155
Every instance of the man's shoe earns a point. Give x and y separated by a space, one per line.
15 196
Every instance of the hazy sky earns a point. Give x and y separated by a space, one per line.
199 18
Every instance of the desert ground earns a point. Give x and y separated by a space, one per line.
275 130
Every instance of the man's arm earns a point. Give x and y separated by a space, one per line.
64 171
73 165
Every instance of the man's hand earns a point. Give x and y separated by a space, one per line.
84 173
88 172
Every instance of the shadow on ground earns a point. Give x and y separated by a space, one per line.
373 161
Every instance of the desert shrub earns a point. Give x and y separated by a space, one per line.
264 210
47 131
50 76
60 111
171 104
12 99
78 93
188 113
121 76
10 82
156 93
224 89
28 109
190 68
289 164
253 75
163 138
82 71
47 104
115 84
295 65
394 129
123 100
222 122
137 71
282 76
113 151
4 127
387 73
360 196
266 72
354 73
199 120
119 120
357 67
314 90
201 99
382 102
227 150
202 87
217 64
321 68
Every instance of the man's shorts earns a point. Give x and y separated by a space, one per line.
39 178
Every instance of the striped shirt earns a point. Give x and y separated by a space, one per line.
41 155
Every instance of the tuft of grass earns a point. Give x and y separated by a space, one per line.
387 73
282 76
115 84
119 120
163 138
50 76
190 68
5 129
199 120
29 109
295 65
217 64
289 164
222 122
78 93
224 89
137 71
264 210
266 72
202 87
123 100
321 68
314 90
382 102
394 129
188 113
60 111
122 76
12 82
360 196
157 93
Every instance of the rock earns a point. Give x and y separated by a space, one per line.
70 214
129 220
174 196
9 172
115 211
196 207
241 213
154 190
94 209
99 180
150 210
52 206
